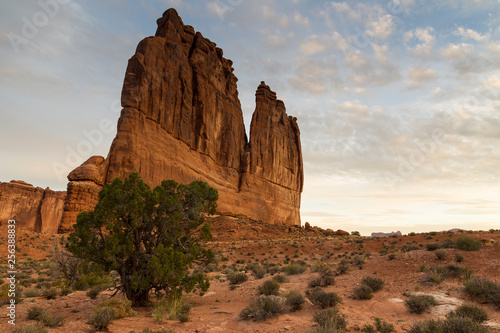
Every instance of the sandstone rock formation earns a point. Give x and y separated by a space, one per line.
182 120
32 207
382 234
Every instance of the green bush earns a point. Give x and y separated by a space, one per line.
94 292
281 278
237 278
294 269
459 257
101 317
433 246
55 320
363 292
294 300
382 326
171 308
36 313
32 293
419 303
318 296
263 307
269 287
259 272
485 289
122 306
50 293
330 319
471 311
30 328
467 243
450 325
375 284
441 254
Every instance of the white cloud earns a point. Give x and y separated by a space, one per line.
426 41
419 76
313 46
301 20
382 28
471 34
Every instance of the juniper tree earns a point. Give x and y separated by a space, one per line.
150 237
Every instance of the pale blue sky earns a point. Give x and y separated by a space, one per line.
397 100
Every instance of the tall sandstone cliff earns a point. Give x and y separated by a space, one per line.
32 207
182 120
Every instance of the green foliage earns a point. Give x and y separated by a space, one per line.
318 296
269 287
32 293
294 300
171 308
50 293
281 278
459 257
150 237
450 325
294 269
121 306
467 243
94 292
355 233
30 328
419 303
363 292
101 317
432 246
259 272
237 278
263 307
441 254
330 319
375 284
36 313
382 326
471 311
485 289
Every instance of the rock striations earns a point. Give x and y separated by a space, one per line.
32 207
182 120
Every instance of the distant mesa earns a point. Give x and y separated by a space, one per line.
381 234
182 120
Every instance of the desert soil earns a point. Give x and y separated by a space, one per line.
240 241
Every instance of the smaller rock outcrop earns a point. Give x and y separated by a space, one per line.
381 234
32 207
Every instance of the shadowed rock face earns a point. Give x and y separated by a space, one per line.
182 120
32 207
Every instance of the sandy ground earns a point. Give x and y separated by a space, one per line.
239 239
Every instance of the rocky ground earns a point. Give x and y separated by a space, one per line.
241 244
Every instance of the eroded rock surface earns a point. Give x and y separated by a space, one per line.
182 120
32 207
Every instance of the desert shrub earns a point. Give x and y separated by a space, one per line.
330 318
318 296
467 243
452 270
94 292
450 325
66 291
263 307
101 317
375 284
294 300
171 308
55 320
36 313
485 289
281 278
30 328
269 287
382 326
50 293
294 269
419 303
320 267
471 311
363 292
342 267
316 282
358 261
273 270
409 247
259 271
433 246
32 293
121 306
441 254
237 278
459 257
369 329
